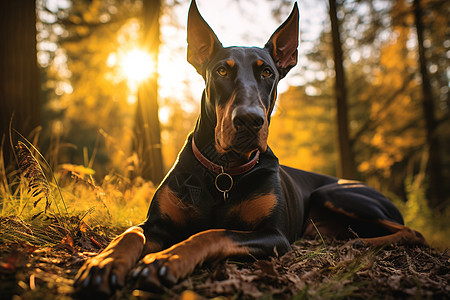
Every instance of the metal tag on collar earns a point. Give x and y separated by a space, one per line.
224 183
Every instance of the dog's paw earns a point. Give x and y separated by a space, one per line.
163 268
101 275
356 243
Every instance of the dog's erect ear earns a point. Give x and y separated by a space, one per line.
202 41
284 42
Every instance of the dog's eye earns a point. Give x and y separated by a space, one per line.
266 73
222 71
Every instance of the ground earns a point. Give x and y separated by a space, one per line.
314 269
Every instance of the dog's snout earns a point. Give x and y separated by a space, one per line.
247 118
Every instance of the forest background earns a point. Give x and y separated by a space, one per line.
369 99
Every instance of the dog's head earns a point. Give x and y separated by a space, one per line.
241 82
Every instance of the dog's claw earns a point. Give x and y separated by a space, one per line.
166 276
163 271
114 280
145 272
136 272
97 280
85 282
358 244
152 283
148 280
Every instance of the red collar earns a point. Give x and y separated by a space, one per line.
219 169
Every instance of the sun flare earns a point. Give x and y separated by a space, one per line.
137 65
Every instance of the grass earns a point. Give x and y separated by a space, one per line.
40 206
107 205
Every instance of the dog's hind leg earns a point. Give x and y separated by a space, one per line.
350 209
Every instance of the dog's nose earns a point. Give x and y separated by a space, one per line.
247 118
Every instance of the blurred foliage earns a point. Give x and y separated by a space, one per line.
90 103
384 83
88 99
301 131
418 215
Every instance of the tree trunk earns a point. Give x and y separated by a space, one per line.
147 122
437 195
19 73
346 164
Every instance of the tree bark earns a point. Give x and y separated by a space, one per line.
346 164
19 73
437 194
148 136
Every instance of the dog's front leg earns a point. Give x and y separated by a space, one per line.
107 271
167 267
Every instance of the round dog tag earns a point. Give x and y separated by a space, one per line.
224 183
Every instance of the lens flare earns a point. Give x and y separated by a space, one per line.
137 65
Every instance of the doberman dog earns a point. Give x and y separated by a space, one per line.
227 195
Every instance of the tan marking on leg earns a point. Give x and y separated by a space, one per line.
119 257
400 234
331 207
350 183
347 181
207 246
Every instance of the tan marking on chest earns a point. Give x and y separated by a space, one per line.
172 206
255 209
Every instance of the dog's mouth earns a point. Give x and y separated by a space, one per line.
240 134
241 144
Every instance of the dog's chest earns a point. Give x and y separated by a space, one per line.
193 201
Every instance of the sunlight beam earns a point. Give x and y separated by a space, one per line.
137 65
